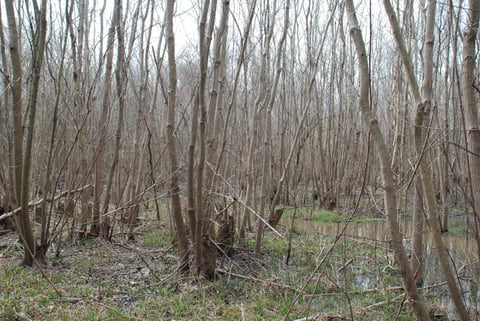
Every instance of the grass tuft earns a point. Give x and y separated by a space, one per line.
137 281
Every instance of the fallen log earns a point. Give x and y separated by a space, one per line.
40 201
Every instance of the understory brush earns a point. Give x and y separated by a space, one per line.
350 279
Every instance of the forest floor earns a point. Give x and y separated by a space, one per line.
326 278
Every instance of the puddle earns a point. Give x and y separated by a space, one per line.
461 248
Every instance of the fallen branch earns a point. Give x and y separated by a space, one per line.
40 201
345 265
268 282
382 303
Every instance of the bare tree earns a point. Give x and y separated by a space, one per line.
470 101
205 252
23 153
385 161
268 105
174 168
121 84
137 176
102 127
45 236
7 180
423 105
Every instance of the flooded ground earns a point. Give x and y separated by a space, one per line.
460 244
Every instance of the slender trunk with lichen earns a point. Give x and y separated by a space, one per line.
201 243
10 198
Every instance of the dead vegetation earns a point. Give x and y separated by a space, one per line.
137 280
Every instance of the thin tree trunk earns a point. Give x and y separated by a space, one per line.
102 128
385 162
470 101
79 171
205 255
8 180
136 185
174 168
22 161
195 206
47 188
268 132
423 103
240 63
191 169
121 81
417 232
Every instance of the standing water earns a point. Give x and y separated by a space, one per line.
461 248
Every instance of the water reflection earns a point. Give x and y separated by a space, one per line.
460 246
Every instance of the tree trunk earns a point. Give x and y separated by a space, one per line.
385 162
79 171
174 168
48 188
470 101
103 126
121 81
205 253
423 105
417 232
265 194
22 161
38 57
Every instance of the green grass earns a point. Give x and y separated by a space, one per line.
155 237
111 282
318 215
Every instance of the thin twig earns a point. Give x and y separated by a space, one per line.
268 282
382 303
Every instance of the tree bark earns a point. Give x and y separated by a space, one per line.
121 82
174 168
423 105
205 257
470 101
385 160
22 161
47 188
102 128
417 232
